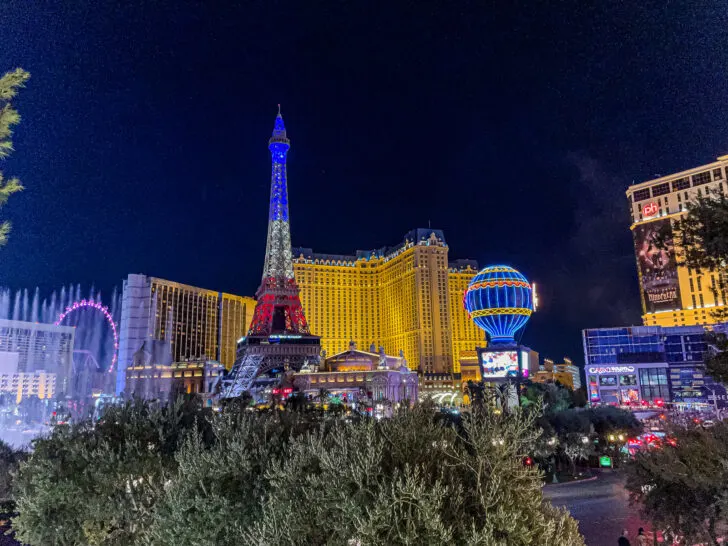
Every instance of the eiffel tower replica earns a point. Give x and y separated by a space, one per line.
279 339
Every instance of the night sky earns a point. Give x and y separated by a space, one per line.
516 130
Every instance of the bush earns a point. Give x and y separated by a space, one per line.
682 487
178 476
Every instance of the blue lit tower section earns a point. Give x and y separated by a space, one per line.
278 257
278 308
499 300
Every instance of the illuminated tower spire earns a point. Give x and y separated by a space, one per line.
279 338
278 259
278 309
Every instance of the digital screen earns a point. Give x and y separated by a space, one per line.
608 380
658 270
498 365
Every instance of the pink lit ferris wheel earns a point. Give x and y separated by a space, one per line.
98 306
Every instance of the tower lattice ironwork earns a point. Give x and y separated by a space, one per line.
279 338
278 309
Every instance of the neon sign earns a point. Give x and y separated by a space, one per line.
650 209
612 369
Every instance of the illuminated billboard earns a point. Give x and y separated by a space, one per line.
657 266
498 364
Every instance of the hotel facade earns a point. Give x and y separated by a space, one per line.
407 297
35 359
651 365
673 294
200 324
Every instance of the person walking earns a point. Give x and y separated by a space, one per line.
642 539
623 540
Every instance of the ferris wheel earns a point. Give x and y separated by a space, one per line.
98 306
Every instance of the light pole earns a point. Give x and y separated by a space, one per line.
715 400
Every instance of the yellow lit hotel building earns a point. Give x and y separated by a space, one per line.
407 297
672 294
198 323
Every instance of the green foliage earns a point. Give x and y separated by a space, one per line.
683 488
409 480
177 476
9 461
716 360
552 396
88 484
702 234
608 419
10 83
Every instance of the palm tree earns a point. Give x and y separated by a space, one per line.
323 396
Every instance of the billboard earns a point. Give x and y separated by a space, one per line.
498 364
657 266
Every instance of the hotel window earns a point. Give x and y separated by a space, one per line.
641 195
701 178
702 304
700 284
692 286
717 174
680 184
660 189
694 305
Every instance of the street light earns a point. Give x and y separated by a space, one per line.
715 400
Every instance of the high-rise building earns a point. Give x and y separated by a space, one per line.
30 347
407 297
279 338
566 373
38 384
198 323
673 294
646 365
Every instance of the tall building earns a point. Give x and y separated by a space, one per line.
672 294
26 385
198 323
279 338
407 297
566 373
642 365
29 348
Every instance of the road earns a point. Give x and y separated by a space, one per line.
601 506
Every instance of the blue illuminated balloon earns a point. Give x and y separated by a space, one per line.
499 300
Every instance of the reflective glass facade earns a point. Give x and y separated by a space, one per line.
642 364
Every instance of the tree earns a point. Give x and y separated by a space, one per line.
9 460
608 420
410 480
716 358
98 483
702 235
554 397
10 83
576 447
160 476
682 488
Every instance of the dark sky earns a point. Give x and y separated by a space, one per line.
513 126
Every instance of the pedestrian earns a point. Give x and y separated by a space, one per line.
623 541
641 537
